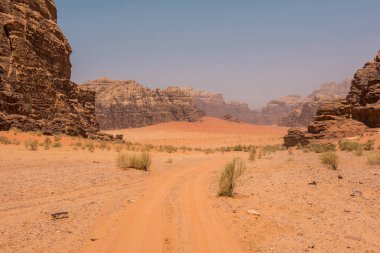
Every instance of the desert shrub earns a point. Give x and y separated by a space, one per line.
103 145
348 145
31 145
359 151
47 143
169 160
330 159
208 151
15 130
237 148
118 148
290 151
90 146
320 147
4 140
57 144
57 138
374 158
170 149
141 161
15 142
252 153
227 182
369 145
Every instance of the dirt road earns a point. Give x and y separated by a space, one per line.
173 215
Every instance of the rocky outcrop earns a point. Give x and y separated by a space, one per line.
213 104
277 109
127 104
303 113
35 88
351 116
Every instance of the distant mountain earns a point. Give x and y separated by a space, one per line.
213 104
126 104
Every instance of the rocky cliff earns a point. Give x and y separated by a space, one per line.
126 104
348 117
213 104
35 88
304 111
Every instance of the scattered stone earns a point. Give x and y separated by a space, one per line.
93 239
60 215
313 183
340 177
131 201
254 212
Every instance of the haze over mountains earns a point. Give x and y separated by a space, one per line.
129 104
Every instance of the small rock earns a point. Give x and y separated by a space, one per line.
60 215
313 183
131 201
340 177
93 239
251 211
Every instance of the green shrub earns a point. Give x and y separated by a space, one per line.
252 153
374 158
31 145
4 140
227 182
330 159
141 161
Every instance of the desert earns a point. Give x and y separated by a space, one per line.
220 133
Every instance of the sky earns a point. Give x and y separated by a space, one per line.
249 50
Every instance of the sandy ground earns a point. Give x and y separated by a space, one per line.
210 132
175 208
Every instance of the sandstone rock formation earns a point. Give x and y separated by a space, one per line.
35 88
213 104
126 104
351 116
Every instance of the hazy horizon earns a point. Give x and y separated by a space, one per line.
251 51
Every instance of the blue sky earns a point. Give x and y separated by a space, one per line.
250 50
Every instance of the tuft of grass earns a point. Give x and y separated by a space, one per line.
31 145
252 153
348 145
90 146
319 147
141 161
227 182
374 158
4 140
47 143
359 151
369 145
330 159
57 144
169 160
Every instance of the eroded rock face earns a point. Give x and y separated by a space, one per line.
35 69
305 111
127 104
213 104
351 116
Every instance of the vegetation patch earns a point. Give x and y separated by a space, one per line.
330 159
141 161
374 158
227 182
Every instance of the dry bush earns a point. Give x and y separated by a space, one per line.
227 182
330 159
31 145
141 161
369 145
348 145
47 143
4 140
90 146
252 153
374 158
57 144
